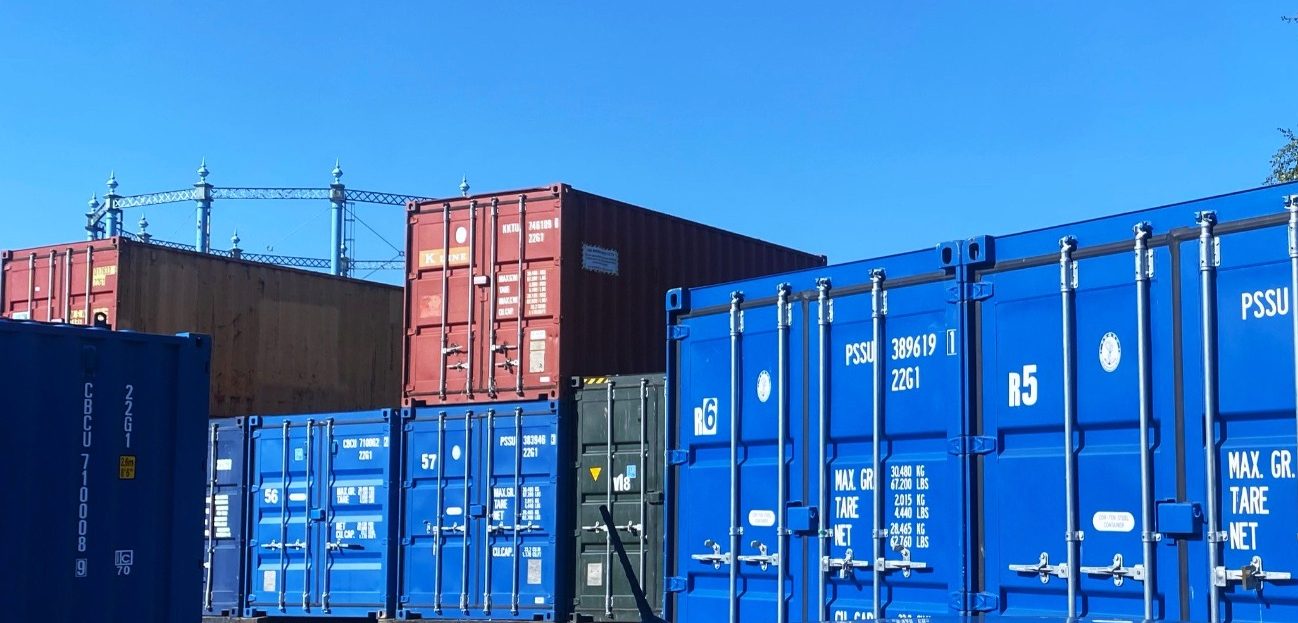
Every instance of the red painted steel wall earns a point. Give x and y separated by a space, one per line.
589 289
50 283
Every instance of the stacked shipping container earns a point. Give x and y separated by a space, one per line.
511 294
284 340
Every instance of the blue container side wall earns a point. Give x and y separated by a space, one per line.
114 421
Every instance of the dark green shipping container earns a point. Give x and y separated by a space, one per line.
628 471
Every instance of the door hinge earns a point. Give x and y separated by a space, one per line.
971 445
966 603
676 584
678 332
677 457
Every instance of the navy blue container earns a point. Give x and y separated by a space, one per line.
320 502
226 525
482 509
103 443
805 471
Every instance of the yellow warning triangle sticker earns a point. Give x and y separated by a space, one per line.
594 473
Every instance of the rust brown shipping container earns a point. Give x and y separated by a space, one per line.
284 340
509 294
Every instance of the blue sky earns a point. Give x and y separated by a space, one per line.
850 129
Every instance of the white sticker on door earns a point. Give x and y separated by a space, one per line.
533 570
268 581
594 574
764 386
1110 352
761 518
1113 521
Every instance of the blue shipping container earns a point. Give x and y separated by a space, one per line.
319 504
102 446
1161 343
807 482
1117 398
225 549
481 513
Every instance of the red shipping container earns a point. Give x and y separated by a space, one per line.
496 310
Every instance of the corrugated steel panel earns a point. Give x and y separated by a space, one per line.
226 527
493 278
1118 398
1177 338
101 432
811 481
320 540
483 512
284 340
619 450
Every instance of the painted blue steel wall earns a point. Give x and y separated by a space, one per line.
103 429
320 514
486 515
226 526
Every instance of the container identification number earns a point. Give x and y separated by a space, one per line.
83 493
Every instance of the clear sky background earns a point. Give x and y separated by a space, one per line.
850 129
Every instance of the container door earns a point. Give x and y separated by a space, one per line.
737 483
892 511
1077 368
483 302
223 532
518 562
280 553
438 468
1247 474
50 284
624 476
354 537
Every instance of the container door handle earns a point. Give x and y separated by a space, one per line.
276 545
846 565
715 558
1043 568
439 530
1117 571
906 565
763 559
338 546
1251 576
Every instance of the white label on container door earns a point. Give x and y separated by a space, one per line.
224 465
297 497
461 235
536 351
454 511
268 581
533 570
761 518
22 315
1110 352
594 574
764 386
1113 521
